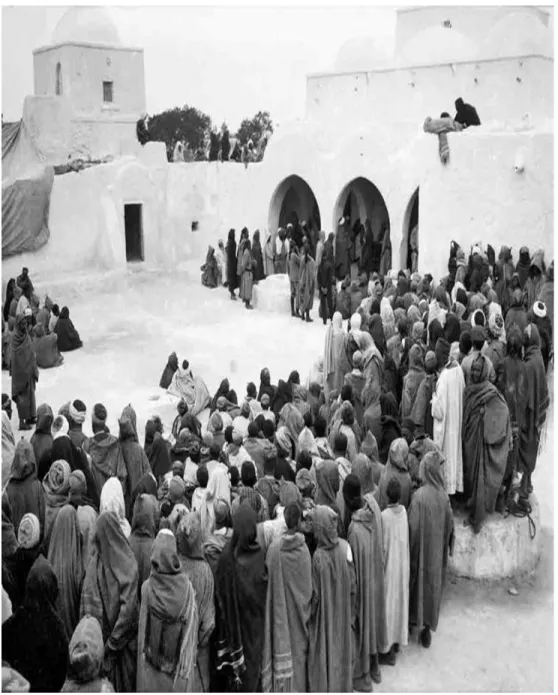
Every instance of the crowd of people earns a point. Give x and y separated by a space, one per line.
297 539
313 263
33 338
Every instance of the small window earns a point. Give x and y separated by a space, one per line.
58 88
107 92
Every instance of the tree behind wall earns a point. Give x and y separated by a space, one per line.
187 124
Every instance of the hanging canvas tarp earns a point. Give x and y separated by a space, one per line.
26 188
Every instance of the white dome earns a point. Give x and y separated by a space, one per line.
86 25
359 54
518 34
437 45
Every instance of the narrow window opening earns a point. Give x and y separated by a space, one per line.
58 87
108 92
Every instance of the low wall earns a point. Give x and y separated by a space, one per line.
477 196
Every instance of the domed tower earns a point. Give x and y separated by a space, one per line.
102 80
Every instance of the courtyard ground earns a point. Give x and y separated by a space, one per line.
487 639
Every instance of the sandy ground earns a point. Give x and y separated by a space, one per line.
487 639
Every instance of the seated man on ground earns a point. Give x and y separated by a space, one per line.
210 270
46 348
68 337
191 388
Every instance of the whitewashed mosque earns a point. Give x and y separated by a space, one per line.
360 149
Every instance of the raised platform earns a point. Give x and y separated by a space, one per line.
273 294
502 549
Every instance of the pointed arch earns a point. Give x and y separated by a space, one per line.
292 202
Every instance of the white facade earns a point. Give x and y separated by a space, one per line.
361 144
102 81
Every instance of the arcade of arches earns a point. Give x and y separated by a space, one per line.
293 201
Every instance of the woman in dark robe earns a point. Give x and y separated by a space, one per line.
452 329
523 265
246 265
331 651
259 273
327 488
24 491
307 284
266 385
536 407
385 261
342 266
230 249
29 549
430 537
367 254
421 412
110 594
65 556
325 279
283 395
515 393
144 529
34 641
41 439
168 623
222 391
9 296
24 373
157 451
168 371
377 333
397 466
213 549
486 434
412 380
189 541
210 270
391 428
241 587
68 337
435 331
131 456
102 448
516 314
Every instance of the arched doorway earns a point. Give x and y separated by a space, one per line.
359 201
293 202
410 222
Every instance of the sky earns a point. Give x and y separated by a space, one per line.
227 61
